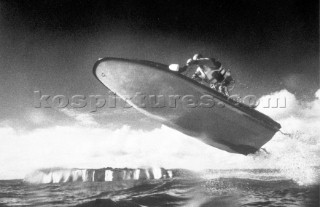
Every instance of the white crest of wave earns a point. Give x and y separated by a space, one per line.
58 175
98 147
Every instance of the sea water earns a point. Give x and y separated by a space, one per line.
259 187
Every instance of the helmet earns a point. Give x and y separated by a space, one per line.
189 61
197 56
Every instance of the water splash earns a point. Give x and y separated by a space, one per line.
59 175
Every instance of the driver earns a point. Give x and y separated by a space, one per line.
210 71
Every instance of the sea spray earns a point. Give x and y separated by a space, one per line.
61 175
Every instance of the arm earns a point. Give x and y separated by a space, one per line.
183 69
201 61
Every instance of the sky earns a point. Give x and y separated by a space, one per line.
51 46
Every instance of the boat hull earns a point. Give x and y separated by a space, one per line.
186 105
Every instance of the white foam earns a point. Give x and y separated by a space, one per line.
59 176
136 174
147 174
85 175
47 178
76 175
157 173
108 175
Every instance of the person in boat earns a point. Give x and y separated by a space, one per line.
210 71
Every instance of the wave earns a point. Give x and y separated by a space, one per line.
57 175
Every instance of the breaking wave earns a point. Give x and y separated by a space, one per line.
96 175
